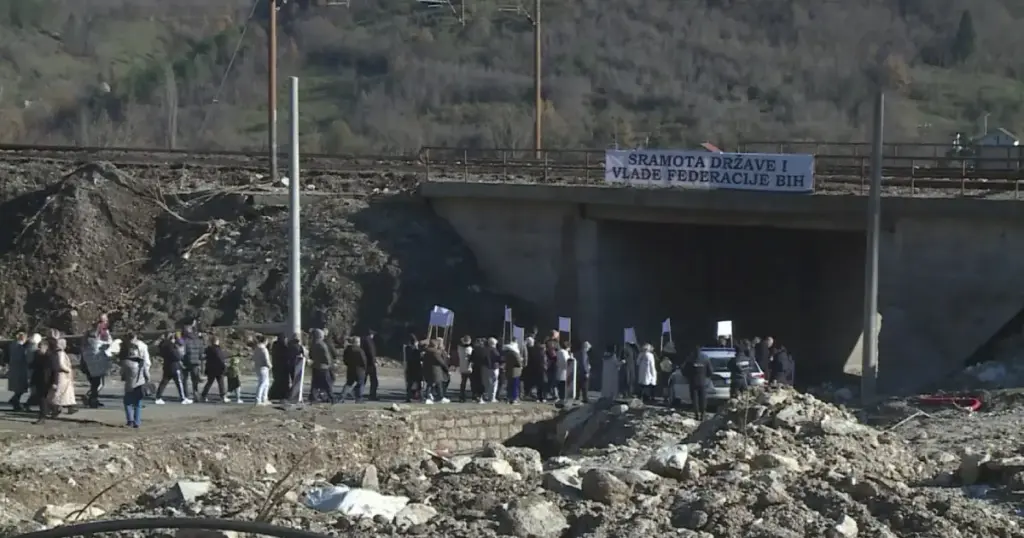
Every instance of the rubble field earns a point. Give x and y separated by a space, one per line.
775 463
80 239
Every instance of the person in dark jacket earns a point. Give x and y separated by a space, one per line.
42 377
280 371
296 364
513 372
630 352
216 363
322 358
739 369
480 369
31 346
192 363
550 369
696 372
172 354
535 370
492 384
781 367
18 370
435 366
763 353
369 344
355 370
412 358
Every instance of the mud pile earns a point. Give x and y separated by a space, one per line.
73 247
100 239
378 263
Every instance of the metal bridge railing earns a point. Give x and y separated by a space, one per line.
845 172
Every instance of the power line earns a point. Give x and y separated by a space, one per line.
231 63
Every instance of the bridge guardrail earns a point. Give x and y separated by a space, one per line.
843 172
848 169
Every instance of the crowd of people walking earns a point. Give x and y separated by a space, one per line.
540 368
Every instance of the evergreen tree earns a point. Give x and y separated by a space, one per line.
964 41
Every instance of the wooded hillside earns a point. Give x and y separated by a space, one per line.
391 75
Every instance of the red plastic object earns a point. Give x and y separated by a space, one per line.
966 402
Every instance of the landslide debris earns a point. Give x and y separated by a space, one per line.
774 463
73 247
100 239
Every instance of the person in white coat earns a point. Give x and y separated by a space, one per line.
610 374
465 367
562 370
647 373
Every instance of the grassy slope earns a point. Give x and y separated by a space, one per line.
385 76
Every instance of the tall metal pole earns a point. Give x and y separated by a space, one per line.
538 102
294 250
272 89
294 212
869 361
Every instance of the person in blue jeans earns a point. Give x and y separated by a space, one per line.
135 374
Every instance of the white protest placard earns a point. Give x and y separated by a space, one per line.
666 326
518 334
564 324
629 335
766 172
508 315
725 328
442 317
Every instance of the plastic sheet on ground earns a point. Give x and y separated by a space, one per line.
355 502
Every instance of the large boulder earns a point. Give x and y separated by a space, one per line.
669 461
532 517
494 467
525 461
602 486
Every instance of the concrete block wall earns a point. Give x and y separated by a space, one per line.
471 429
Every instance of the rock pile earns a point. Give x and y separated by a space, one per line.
774 463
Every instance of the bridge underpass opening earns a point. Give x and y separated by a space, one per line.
804 287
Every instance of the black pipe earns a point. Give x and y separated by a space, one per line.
95 527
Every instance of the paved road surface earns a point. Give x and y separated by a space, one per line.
391 390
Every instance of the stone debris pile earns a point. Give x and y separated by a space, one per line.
774 463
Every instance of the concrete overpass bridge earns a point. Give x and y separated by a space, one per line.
787 265
547 230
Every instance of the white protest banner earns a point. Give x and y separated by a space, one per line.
508 315
629 335
766 172
518 334
725 328
666 326
442 317
564 324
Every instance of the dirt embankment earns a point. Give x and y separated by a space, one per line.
96 238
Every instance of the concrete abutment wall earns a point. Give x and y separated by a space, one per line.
950 268
611 273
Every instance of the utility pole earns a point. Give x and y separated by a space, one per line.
538 101
295 220
272 89
869 360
